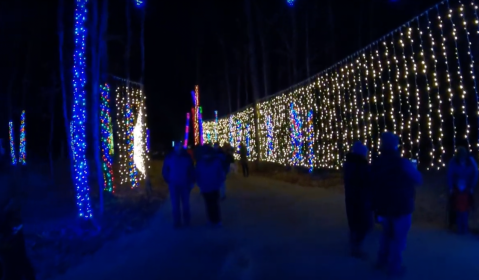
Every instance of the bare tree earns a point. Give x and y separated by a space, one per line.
66 119
253 66
226 73
95 39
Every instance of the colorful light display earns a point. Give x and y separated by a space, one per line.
187 131
413 81
79 112
196 112
22 155
200 125
11 135
107 147
132 135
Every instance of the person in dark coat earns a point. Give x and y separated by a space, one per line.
178 173
394 180
462 175
210 176
244 159
358 196
226 166
13 252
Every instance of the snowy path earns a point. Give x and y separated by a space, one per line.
272 230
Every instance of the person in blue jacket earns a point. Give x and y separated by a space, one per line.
179 174
210 176
393 187
357 188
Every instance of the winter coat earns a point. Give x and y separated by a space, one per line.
224 161
393 184
178 169
462 177
357 187
210 174
243 154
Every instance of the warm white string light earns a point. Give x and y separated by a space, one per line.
449 89
374 98
392 116
417 137
461 78
438 95
406 90
428 91
368 102
381 86
401 112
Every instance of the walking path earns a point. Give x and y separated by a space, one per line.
272 230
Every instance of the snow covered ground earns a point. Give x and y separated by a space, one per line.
272 230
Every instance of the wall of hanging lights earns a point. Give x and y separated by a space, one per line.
418 81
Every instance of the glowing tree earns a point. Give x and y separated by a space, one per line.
107 148
11 134
79 112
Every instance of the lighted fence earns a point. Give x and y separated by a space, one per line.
417 81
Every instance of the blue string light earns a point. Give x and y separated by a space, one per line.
79 112
147 140
12 143
231 131
139 3
248 138
296 137
22 156
270 136
238 135
290 2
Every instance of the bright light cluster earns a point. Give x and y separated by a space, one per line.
22 154
78 126
187 131
412 82
139 3
196 116
107 147
11 135
132 135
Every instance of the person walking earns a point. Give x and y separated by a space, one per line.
462 175
226 166
393 187
244 159
178 173
13 253
210 176
358 196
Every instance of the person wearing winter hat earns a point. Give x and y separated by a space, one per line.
393 187
358 196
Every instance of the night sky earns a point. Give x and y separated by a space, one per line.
182 42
